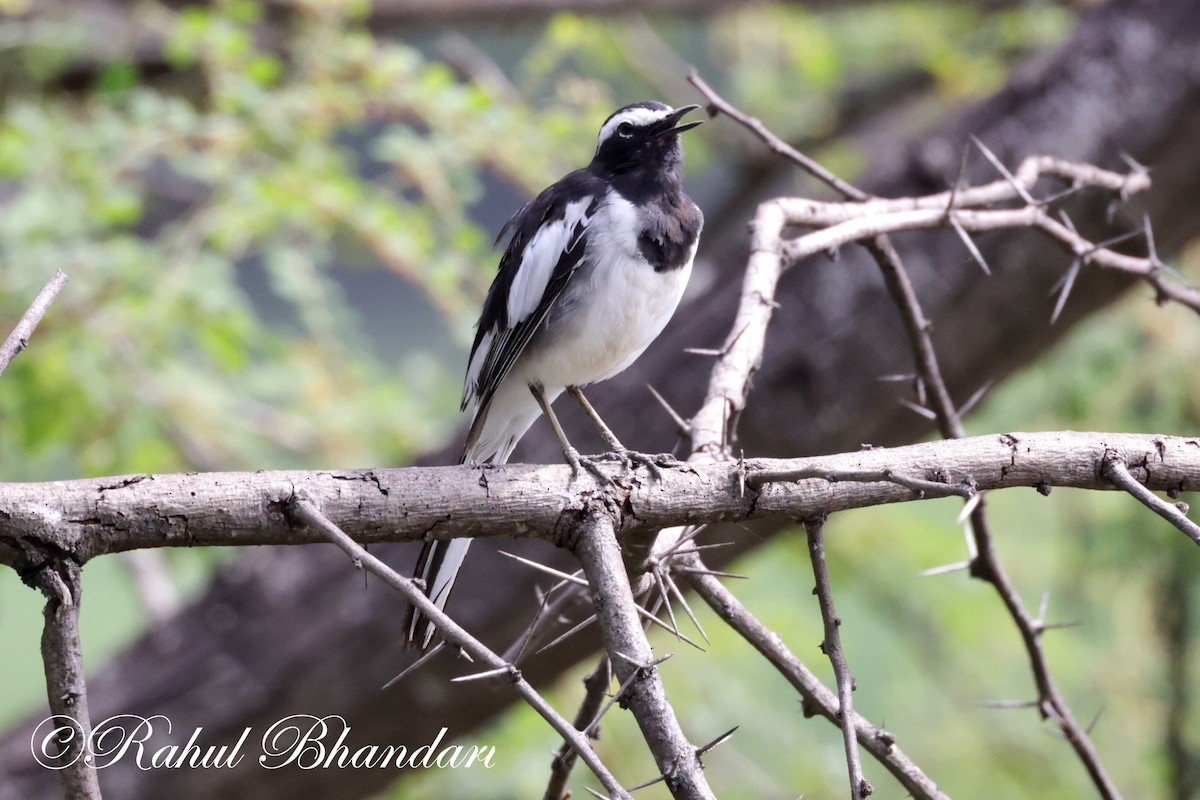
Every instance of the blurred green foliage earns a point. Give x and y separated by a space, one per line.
215 221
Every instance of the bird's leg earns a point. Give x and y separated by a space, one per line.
610 439
628 457
569 453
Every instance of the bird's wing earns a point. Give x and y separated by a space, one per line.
549 237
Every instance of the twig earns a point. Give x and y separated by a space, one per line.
817 698
971 198
18 340
594 543
921 487
66 690
594 686
863 224
1115 470
718 104
306 512
832 647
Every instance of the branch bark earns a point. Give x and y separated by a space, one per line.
62 655
594 543
96 516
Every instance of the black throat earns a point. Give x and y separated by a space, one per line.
669 222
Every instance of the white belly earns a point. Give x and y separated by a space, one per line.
628 310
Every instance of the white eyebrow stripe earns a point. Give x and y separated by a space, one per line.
637 116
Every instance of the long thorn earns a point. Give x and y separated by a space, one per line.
564 636
686 607
1003 170
717 742
413 666
575 579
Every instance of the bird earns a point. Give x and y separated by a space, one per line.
594 268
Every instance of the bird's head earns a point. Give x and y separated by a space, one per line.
643 135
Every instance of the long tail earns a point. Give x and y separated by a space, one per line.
438 567
494 433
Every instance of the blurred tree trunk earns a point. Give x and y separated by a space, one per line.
296 631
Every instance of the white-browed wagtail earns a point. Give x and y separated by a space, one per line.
594 269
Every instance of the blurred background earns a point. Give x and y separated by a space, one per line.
278 222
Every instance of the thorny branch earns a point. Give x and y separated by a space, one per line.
985 563
832 645
817 698
847 222
964 209
586 721
306 513
595 545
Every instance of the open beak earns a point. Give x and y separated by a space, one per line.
669 125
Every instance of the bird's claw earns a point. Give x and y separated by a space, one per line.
631 458
578 463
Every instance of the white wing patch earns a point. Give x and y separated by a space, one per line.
635 116
476 366
539 259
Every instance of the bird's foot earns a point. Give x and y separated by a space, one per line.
589 463
630 459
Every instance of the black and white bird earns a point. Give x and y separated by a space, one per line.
595 268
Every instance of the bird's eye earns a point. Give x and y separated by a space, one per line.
625 129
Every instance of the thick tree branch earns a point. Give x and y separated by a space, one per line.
91 517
